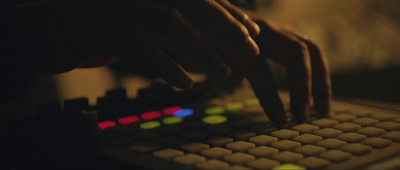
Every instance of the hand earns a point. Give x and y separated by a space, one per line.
306 67
58 36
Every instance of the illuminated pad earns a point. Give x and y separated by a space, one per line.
184 113
106 124
252 102
215 110
150 115
168 154
128 120
150 125
172 120
289 166
216 119
169 111
234 106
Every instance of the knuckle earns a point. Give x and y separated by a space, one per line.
239 31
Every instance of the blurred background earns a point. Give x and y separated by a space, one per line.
361 39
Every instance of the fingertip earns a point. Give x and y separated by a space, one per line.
255 29
185 82
252 46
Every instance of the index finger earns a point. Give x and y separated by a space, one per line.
260 76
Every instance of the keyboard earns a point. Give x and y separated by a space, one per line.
223 127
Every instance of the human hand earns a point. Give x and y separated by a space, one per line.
58 36
306 66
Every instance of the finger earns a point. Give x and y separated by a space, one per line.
251 26
161 65
294 54
213 19
259 74
299 76
181 32
321 81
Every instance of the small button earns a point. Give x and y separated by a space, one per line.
286 145
352 137
371 131
240 146
263 163
357 149
234 106
343 117
347 127
216 110
252 102
107 124
216 119
128 120
239 158
168 154
310 150
263 140
172 120
185 112
195 147
190 159
289 166
263 151
394 136
360 113
325 123
169 111
388 126
212 164
287 157
219 141
216 152
285 134
308 138
331 143
238 167
328 132
150 115
383 116
336 155
305 128
150 125
366 121
377 142
313 163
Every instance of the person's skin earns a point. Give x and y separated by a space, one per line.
214 37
